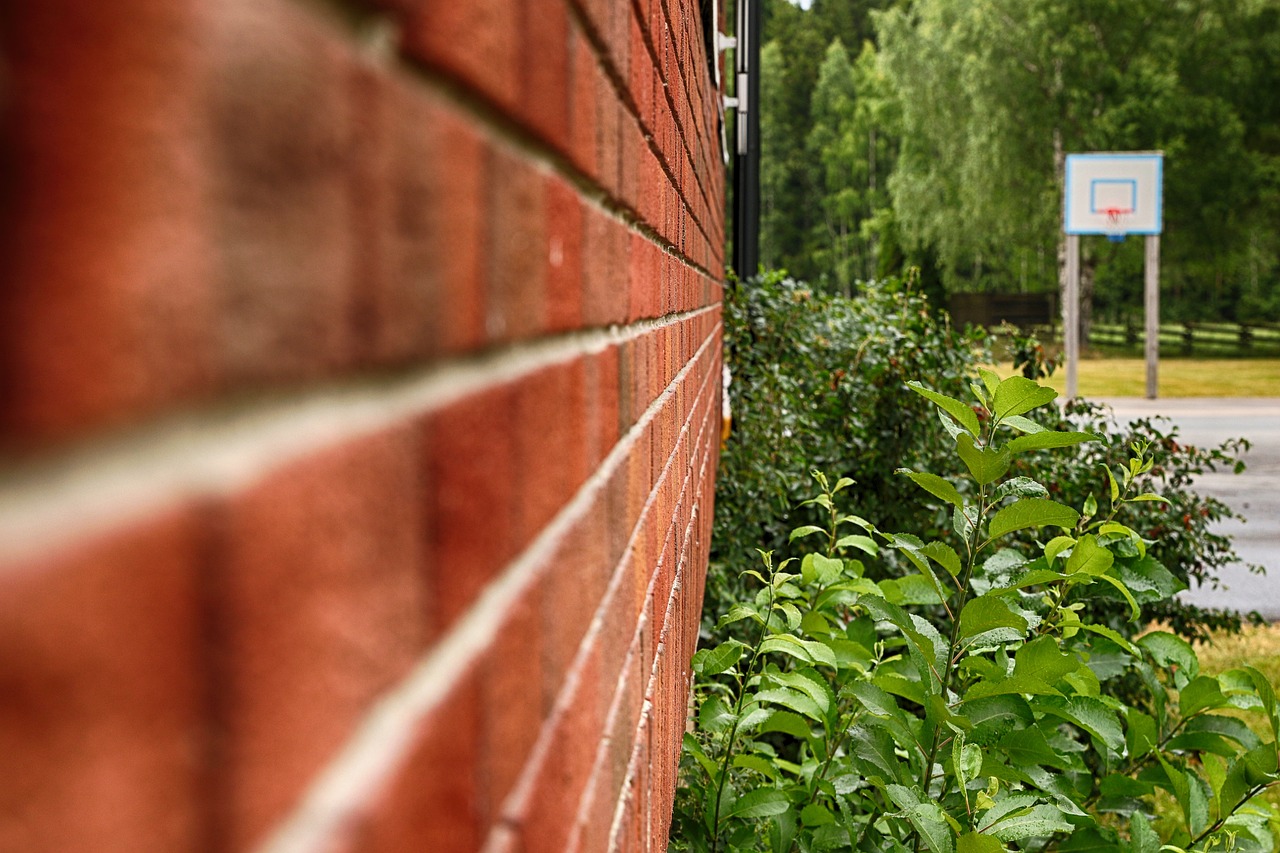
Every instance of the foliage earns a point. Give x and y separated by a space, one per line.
1183 530
838 718
816 384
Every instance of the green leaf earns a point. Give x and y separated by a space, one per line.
787 645
1202 742
1089 558
985 464
990 379
1018 395
762 802
1142 837
976 842
986 613
1023 487
809 683
944 555
737 613
717 660
877 702
1170 650
863 543
911 590
758 763
928 820
874 745
1022 424
1148 496
1037 822
1046 440
827 570
1230 727
715 715
1268 696
793 700
1202 693
1134 610
807 530
1029 746
1093 715
1142 735
1044 660
816 815
787 723
934 485
993 716
1114 636
950 405
1031 512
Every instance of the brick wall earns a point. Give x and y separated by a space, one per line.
359 393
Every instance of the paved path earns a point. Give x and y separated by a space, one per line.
1255 494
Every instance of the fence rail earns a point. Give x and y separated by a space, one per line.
1207 339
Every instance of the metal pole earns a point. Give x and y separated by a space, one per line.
746 220
1071 315
1151 304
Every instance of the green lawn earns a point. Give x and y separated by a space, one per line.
1178 377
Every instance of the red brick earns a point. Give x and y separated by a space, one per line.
108 300
546 818
551 444
103 724
583 124
436 801
516 243
603 420
441 167
575 582
281 123
512 718
477 42
564 256
471 515
544 77
321 595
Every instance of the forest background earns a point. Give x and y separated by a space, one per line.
932 134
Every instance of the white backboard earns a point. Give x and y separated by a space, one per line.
1114 193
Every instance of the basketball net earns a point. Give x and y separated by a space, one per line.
1117 219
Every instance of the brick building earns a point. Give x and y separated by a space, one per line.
359 398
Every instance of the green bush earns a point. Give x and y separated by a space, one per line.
816 384
839 718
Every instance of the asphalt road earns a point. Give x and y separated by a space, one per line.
1255 494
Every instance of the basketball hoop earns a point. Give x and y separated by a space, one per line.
1117 221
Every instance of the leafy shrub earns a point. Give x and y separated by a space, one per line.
846 721
817 382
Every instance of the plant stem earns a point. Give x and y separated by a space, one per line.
737 714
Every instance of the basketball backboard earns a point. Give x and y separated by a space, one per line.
1114 193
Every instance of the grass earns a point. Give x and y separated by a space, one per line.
1182 377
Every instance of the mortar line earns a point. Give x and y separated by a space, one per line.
219 451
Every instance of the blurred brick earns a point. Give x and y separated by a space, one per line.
108 302
282 125
477 42
516 247
475 486
104 727
435 801
322 609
